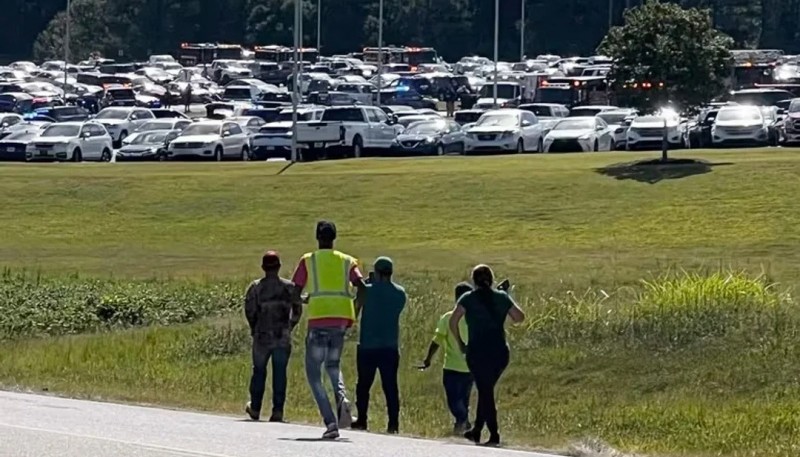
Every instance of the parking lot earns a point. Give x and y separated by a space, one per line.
240 107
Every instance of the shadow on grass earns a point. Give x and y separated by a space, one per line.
654 171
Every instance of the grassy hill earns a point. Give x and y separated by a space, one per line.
660 313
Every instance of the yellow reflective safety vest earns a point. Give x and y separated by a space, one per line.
330 294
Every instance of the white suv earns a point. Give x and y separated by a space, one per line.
211 139
122 121
73 141
739 125
506 130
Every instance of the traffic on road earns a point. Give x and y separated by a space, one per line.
225 102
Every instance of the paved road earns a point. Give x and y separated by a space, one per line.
42 426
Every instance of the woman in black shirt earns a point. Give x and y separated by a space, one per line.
485 310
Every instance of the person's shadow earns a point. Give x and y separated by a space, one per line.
316 440
654 171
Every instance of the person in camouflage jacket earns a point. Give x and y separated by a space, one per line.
273 308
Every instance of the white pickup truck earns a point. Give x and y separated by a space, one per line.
274 139
347 131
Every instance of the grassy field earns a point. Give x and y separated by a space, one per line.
659 300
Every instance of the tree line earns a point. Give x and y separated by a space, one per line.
135 28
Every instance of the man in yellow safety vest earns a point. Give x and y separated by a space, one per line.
329 277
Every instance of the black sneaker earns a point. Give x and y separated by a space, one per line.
359 425
473 435
393 430
494 441
254 415
277 416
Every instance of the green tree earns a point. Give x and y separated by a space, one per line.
664 43
89 32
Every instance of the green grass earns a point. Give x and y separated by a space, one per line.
660 310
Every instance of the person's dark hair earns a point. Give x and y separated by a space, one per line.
462 288
271 262
326 232
482 277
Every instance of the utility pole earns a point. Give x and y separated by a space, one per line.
66 50
319 25
610 14
522 32
295 79
496 38
380 49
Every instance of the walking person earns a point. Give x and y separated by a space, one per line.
273 309
456 378
329 277
378 347
187 97
485 310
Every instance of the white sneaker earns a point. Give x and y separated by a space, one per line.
345 414
331 433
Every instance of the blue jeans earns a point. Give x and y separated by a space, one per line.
280 359
457 389
324 347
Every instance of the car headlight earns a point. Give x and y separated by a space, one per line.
506 135
430 140
585 137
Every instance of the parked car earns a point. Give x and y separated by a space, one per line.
590 110
791 125
619 121
647 132
740 126
274 139
505 130
14 145
699 131
215 140
121 121
73 141
579 134
7 121
146 145
431 137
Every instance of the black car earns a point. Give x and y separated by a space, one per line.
434 137
64 113
12 147
700 131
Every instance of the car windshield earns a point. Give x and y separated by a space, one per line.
498 120
575 124
122 93
61 130
150 138
794 107
425 128
112 114
579 112
158 125
201 129
613 118
287 116
503 91
738 115
408 120
539 111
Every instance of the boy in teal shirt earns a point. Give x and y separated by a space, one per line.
456 378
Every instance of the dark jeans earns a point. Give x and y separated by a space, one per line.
387 361
280 359
487 367
457 389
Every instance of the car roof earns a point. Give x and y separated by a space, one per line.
74 123
210 122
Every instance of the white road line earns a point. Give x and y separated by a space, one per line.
154 447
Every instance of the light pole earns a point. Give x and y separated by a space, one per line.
319 24
380 48
496 37
522 33
610 14
66 51
295 79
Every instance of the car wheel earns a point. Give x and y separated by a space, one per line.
77 156
218 154
245 154
106 155
596 146
440 150
520 146
358 147
540 146
462 149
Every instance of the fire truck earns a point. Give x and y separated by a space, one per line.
191 54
